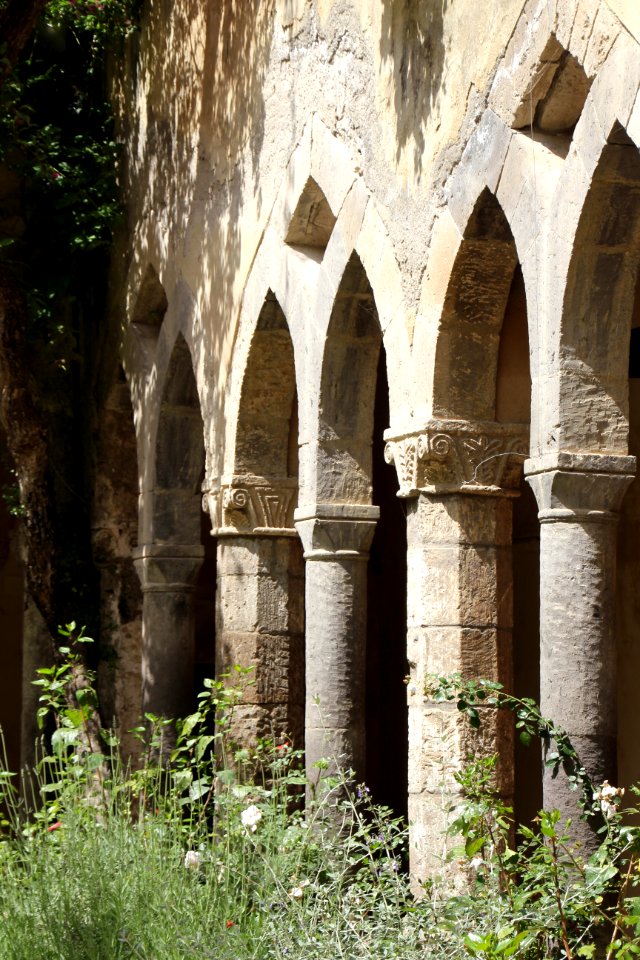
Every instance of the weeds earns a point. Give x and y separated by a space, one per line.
213 853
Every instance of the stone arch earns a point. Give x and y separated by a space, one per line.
598 304
260 614
469 336
474 441
347 390
356 651
170 562
265 444
179 459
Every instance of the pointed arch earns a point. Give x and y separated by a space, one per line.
471 322
598 304
265 441
347 391
180 456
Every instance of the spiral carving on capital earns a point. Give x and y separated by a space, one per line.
244 505
437 445
458 455
234 498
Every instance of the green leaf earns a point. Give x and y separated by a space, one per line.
62 738
472 847
199 788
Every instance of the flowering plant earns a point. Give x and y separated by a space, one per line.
251 817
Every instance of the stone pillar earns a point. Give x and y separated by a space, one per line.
336 540
168 574
260 605
460 478
579 497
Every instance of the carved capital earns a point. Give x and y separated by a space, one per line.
336 531
252 506
580 487
451 456
168 568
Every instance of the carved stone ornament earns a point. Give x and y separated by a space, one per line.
449 456
248 505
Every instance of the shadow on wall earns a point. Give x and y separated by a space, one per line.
191 108
412 39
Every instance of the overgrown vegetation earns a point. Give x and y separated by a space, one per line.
214 855
59 206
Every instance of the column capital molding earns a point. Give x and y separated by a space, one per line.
166 568
336 531
246 505
458 456
578 486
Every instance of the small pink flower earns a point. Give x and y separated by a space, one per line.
54 826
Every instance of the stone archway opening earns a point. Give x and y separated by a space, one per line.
471 324
260 610
386 667
177 605
357 661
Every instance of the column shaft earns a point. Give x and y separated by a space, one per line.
459 605
336 540
577 646
336 624
260 625
579 496
168 576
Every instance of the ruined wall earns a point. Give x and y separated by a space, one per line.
314 185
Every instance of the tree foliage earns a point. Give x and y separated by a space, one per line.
59 206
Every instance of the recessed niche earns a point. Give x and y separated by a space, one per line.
556 95
151 303
313 221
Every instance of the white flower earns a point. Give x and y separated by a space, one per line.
298 892
609 797
192 860
475 863
251 817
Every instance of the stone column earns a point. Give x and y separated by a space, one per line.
460 478
336 540
168 574
260 605
579 497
